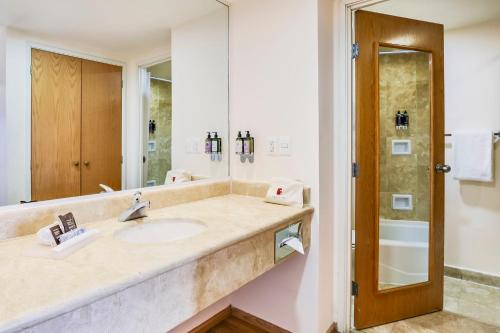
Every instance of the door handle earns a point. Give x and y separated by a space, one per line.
442 168
86 163
76 163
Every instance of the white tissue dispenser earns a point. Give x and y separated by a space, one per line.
287 241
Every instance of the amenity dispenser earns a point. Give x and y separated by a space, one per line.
213 146
402 120
247 147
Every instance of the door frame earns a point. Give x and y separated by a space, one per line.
343 142
27 111
140 67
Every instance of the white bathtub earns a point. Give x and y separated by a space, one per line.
403 252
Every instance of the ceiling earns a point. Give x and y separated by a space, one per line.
452 14
114 25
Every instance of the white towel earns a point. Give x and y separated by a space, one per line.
473 155
177 176
286 192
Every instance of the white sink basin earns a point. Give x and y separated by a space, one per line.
160 230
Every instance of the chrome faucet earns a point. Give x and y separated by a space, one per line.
137 210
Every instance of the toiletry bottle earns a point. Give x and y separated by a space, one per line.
252 145
246 144
208 144
399 121
406 120
219 149
215 146
215 143
239 144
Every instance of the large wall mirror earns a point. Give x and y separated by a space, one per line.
111 96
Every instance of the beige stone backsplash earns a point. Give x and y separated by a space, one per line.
22 220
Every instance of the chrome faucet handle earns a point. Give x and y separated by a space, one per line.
137 196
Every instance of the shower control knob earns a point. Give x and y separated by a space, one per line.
442 168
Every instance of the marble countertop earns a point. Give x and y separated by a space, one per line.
33 290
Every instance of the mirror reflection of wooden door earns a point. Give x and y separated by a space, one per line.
55 125
101 126
76 126
399 214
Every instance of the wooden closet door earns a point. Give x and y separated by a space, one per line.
101 126
55 125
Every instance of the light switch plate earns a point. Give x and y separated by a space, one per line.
272 145
285 146
193 146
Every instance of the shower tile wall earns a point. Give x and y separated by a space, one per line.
160 161
404 85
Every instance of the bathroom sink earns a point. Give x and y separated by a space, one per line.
160 230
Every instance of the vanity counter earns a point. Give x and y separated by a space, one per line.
34 290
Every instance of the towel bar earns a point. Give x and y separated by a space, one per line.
495 134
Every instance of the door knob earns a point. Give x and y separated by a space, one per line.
76 163
442 168
86 163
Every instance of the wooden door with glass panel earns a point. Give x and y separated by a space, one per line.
399 215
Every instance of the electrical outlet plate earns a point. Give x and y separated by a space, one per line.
194 145
285 148
272 145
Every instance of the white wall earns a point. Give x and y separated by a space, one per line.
3 119
200 91
472 93
275 91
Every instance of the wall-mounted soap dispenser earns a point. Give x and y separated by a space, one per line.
213 146
152 127
402 121
247 145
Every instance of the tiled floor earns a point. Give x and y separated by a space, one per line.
439 322
472 300
469 307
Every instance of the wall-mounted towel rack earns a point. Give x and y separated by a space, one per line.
495 134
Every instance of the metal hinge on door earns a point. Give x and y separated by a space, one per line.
355 50
354 288
355 170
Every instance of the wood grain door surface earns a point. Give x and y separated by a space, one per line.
76 126
101 126
374 306
55 125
